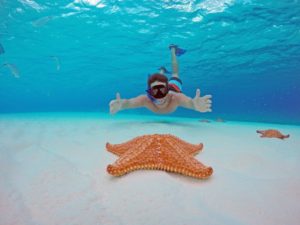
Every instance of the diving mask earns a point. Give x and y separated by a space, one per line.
159 91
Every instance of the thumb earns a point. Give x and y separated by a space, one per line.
197 93
118 97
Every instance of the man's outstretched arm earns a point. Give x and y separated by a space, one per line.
121 104
201 104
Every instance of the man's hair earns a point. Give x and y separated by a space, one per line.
157 77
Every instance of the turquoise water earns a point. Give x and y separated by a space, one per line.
75 55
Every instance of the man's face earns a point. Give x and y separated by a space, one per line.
159 89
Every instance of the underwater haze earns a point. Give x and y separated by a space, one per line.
75 55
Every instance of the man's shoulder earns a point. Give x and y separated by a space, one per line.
175 95
143 97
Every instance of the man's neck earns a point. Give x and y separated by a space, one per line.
165 103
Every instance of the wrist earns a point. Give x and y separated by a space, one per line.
122 104
193 105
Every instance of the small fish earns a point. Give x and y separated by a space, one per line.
56 61
220 120
1 49
204 121
42 21
13 69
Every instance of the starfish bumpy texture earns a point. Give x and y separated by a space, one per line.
158 151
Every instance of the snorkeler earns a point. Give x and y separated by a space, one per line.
163 95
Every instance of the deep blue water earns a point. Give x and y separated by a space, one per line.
75 55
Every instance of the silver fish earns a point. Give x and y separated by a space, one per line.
13 69
56 59
42 21
1 49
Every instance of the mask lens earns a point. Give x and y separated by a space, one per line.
159 91
163 90
154 91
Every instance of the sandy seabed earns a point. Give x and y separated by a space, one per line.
53 171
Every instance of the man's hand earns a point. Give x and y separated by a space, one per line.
115 105
202 104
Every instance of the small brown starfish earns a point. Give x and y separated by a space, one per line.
272 134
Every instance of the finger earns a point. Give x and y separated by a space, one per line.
207 96
112 102
118 97
209 110
208 101
112 111
111 108
197 93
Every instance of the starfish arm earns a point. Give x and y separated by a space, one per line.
138 155
120 149
186 164
193 168
191 149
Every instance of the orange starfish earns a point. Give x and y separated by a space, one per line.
272 134
158 151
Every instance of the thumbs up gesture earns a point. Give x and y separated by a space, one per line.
202 104
115 105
